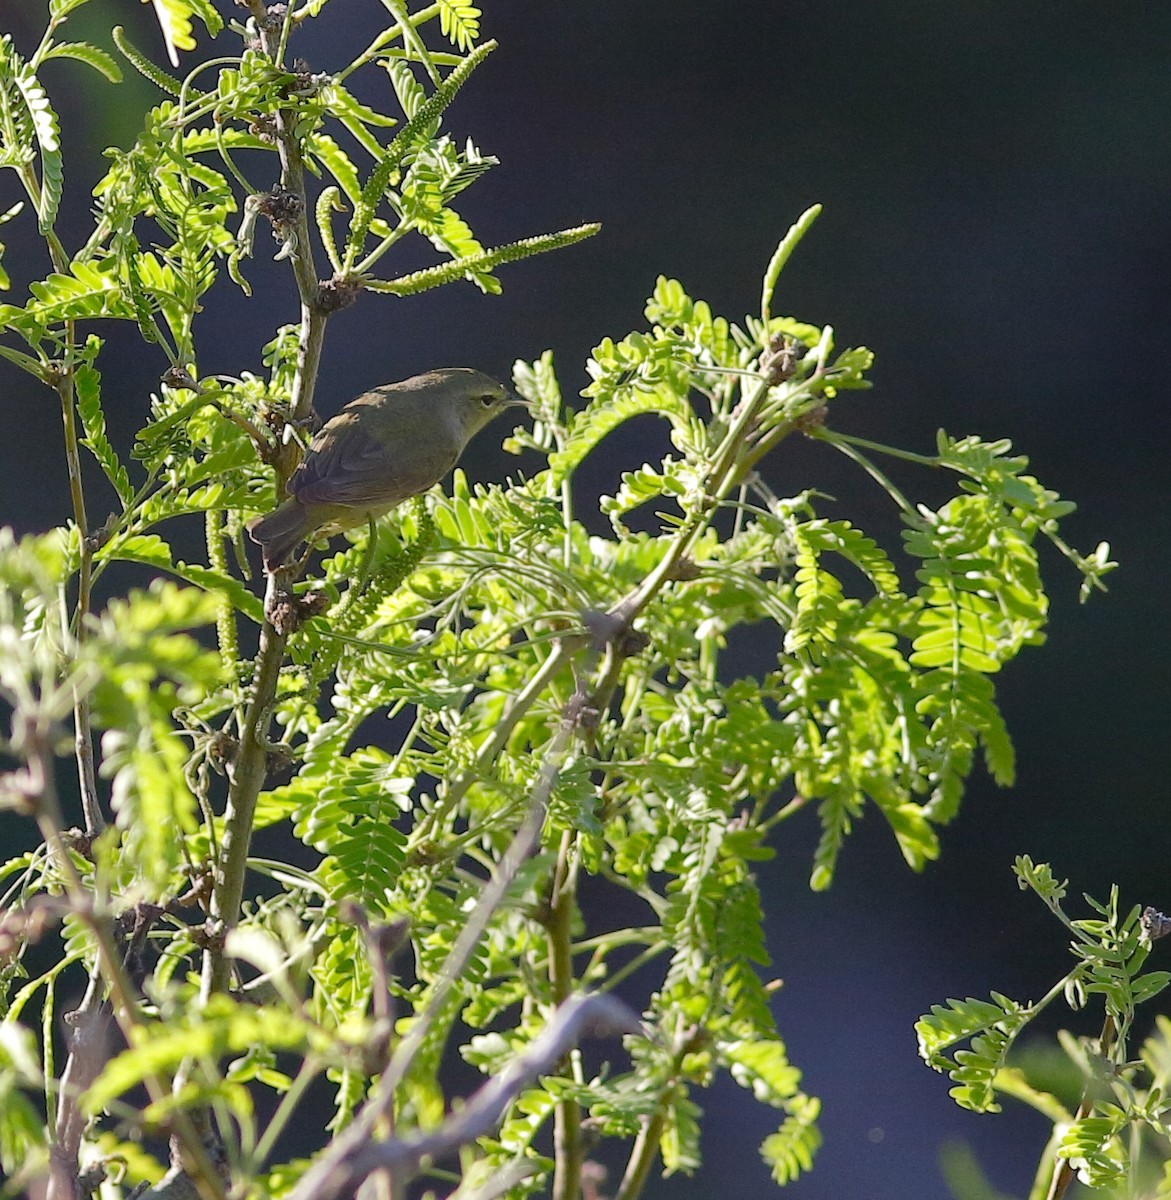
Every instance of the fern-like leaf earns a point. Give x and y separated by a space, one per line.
819 596
152 551
679 1141
1093 1147
475 266
335 160
88 291
46 130
790 1151
590 425
87 382
93 56
352 820
460 23
674 478
403 143
175 20
762 1066
990 1027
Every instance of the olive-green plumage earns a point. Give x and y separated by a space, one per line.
382 448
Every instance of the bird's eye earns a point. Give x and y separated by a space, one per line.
487 400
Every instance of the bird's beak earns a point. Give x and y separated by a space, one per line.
512 400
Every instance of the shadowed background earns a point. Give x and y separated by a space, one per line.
997 186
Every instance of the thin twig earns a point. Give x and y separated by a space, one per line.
642 1156
568 1146
63 385
82 719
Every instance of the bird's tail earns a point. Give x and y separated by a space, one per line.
279 532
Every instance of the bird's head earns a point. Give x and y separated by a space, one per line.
472 397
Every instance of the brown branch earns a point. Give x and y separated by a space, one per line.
248 770
336 1169
89 1035
354 1158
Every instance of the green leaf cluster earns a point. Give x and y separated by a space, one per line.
1117 1135
477 661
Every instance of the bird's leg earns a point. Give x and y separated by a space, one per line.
367 567
296 569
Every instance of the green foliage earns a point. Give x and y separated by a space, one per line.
23 1141
460 22
536 676
1119 1129
93 422
29 132
789 1152
176 19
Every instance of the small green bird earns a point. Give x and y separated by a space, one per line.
383 448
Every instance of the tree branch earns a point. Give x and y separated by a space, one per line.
249 769
343 1165
354 1158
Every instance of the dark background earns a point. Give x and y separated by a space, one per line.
997 186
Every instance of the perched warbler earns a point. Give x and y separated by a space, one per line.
383 448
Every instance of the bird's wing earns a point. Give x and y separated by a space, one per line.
354 469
